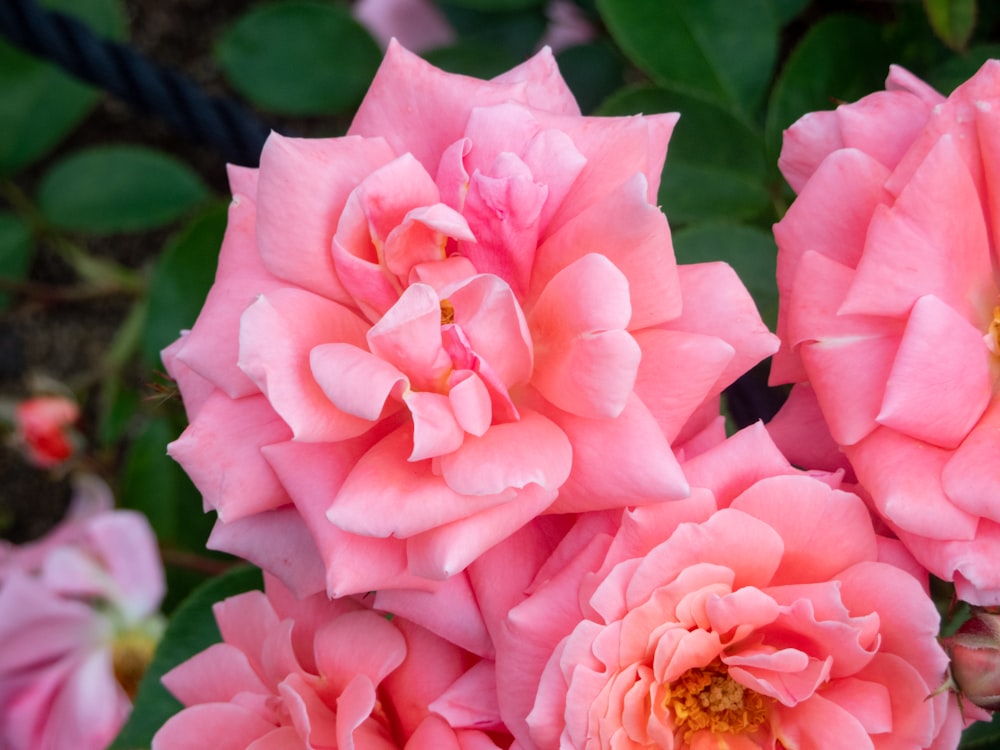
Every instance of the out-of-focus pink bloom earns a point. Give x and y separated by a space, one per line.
890 310
44 429
755 614
420 25
975 659
316 673
462 315
78 624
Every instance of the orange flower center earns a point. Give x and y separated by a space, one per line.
708 698
131 653
447 312
993 336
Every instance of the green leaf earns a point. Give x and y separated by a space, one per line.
786 11
715 165
516 32
155 484
952 20
840 59
118 189
592 72
476 59
191 629
982 735
958 69
299 57
41 105
16 250
495 5
718 49
181 280
749 250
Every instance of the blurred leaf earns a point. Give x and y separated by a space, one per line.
191 629
982 735
118 406
181 280
840 59
786 11
16 250
749 250
495 5
958 69
592 71
41 105
718 49
952 20
476 59
517 32
118 189
155 484
715 166
299 57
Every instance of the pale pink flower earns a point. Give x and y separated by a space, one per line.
317 673
78 624
761 612
44 429
890 310
462 315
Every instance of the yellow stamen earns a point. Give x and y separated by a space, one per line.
447 312
708 698
131 653
993 337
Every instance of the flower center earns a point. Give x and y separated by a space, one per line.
447 312
708 698
131 653
993 335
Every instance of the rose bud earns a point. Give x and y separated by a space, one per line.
975 659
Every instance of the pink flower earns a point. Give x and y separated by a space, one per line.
761 612
44 429
462 315
326 673
888 273
78 625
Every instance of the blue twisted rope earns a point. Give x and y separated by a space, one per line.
232 129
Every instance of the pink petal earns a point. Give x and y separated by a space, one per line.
971 475
802 434
805 145
277 332
212 726
436 432
215 675
354 643
303 186
220 451
585 362
419 25
513 455
472 700
356 381
409 337
941 381
470 401
808 724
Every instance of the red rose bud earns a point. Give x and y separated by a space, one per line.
975 659
44 428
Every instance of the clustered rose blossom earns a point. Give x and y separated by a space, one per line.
890 312
452 393
78 624
462 315
316 673
43 427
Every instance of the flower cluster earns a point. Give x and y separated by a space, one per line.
452 392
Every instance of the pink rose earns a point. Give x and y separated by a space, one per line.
462 315
78 624
761 612
44 429
327 673
890 310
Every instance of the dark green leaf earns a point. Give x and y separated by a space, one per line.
840 59
16 251
41 105
516 32
786 11
299 57
982 735
592 71
719 49
952 20
155 484
715 165
495 5
181 280
957 70
476 59
191 630
750 251
118 189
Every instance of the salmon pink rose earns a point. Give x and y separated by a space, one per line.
761 612
890 310
78 625
463 314
318 673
